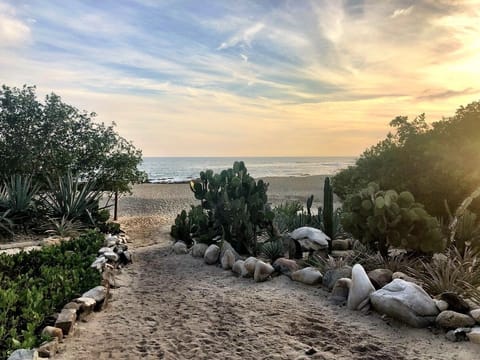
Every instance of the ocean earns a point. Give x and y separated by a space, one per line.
182 169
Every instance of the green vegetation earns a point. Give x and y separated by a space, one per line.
51 139
385 219
36 284
272 249
436 163
291 215
233 205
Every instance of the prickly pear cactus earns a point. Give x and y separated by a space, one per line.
236 205
385 219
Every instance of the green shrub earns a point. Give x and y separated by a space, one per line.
36 284
436 162
291 215
384 219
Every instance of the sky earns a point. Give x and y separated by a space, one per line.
247 78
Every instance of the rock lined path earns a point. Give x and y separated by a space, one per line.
176 307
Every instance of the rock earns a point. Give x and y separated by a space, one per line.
262 271
449 319
24 354
441 305
380 277
250 265
308 275
310 239
228 259
66 319
53 332
459 334
227 246
48 349
198 250
474 335
98 294
332 275
211 254
87 305
455 302
360 289
111 240
405 301
110 255
104 250
402 276
340 291
285 266
180 248
475 314
99 262
340 244
72 305
239 268
125 257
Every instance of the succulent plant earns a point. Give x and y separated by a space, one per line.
383 219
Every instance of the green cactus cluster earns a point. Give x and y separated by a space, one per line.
385 219
233 205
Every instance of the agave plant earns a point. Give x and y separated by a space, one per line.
458 272
63 227
71 198
272 249
17 195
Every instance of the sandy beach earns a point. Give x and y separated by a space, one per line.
176 307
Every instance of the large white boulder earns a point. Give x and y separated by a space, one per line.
211 254
308 275
262 271
250 264
360 289
405 301
228 259
310 239
239 268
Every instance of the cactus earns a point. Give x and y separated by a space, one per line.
327 213
235 206
385 219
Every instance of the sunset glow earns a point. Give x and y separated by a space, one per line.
247 78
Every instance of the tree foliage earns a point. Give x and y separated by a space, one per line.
50 139
436 163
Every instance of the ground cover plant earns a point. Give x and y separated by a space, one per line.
36 284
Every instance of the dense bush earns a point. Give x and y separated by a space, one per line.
36 284
384 219
436 163
233 205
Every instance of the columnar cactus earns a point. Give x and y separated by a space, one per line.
327 211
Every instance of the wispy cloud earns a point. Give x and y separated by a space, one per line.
247 70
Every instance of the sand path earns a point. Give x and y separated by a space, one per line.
176 307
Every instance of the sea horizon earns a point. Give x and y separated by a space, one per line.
179 169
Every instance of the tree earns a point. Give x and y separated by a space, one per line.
49 139
437 163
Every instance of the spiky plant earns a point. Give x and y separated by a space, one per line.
272 250
71 198
457 272
64 227
17 195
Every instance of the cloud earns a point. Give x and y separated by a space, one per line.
401 12
243 38
429 95
13 31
